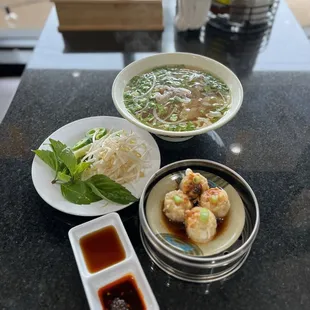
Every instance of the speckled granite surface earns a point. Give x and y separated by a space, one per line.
37 267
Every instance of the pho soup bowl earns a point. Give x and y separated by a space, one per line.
187 60
168 244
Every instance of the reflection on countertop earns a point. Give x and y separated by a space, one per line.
284 47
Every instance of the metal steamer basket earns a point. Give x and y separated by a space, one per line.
202 269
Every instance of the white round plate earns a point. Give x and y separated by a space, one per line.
69 134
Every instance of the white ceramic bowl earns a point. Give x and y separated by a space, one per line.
187 59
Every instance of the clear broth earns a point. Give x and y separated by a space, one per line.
177 98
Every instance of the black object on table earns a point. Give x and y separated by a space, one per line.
267 143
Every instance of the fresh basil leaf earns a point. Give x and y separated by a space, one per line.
64 154
110 189
80 168
78 193
61 176
64 169
57 146
95 190
68 158
48 157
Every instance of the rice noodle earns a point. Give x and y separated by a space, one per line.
215 114
120 155
174 108
179 95
153 85
226 103
204 120
147 105
163 121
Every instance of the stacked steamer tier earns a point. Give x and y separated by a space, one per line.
169 244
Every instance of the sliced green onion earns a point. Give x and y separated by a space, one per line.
196 179
174 117
214 198
204 214
177 199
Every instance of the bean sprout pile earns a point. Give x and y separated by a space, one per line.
120 155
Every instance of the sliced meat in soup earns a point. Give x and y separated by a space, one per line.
177 98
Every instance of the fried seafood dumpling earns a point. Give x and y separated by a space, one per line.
200 224
193 184
216 200
175 204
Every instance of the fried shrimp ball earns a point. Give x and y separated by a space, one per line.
193 184
200 224
216 200
175 204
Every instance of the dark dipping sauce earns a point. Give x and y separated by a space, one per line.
122 294
179 230
102 248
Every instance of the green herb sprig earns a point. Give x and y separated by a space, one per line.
68 174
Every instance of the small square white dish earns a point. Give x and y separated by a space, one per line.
92 282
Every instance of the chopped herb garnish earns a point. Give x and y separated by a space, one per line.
168 93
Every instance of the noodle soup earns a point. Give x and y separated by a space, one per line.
177 98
